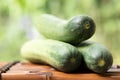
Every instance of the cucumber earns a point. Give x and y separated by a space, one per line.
96 56
62 56
74 31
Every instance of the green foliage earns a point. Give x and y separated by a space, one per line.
104 12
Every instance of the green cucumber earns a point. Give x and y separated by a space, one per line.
74 31
96 56
60 55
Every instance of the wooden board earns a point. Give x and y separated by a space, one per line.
29 71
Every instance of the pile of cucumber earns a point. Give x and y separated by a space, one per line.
65 45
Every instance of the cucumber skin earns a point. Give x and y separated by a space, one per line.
55 53
71 31
92 52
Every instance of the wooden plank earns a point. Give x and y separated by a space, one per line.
28 71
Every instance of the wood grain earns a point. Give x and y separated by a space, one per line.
29 71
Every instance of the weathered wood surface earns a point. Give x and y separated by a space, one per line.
29 71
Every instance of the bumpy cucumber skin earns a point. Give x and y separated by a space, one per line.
72 31
60 55
78 26
92 52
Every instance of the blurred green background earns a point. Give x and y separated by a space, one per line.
17 17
